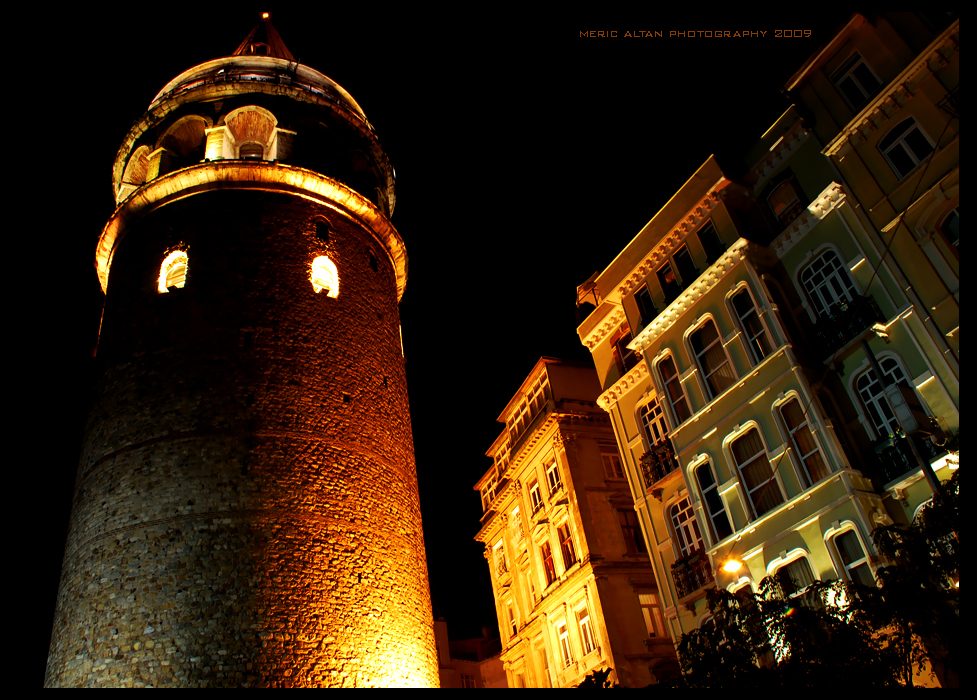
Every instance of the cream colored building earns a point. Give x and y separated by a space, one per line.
574 589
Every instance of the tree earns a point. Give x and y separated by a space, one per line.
836 634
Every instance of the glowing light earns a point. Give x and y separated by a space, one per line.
265 15
173 271
325 276
732 565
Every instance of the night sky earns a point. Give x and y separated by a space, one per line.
527 157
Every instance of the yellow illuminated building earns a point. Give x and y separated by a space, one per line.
761 354
574 590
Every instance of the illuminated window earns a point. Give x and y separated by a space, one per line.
652 612
634 542
755 335
685 527
173 271
553 477
856 81
586 631
325 276
759 479
501 566
513 627
251 151
624 357
547 556
564 636
534 402
566 545
853 558
905 147
717 372
813 468
535 495
713 504
827 283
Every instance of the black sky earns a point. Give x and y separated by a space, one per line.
527 157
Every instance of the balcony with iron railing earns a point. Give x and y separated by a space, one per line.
895 459
691 574
657 463
844 322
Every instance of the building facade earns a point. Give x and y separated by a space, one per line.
246 508
776 390
574 590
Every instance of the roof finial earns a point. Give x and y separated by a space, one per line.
264 40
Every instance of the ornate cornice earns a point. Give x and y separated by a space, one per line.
790 142
610 324
670 242
735 254
888 102
622 386
831 197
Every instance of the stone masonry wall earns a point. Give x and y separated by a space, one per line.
246 507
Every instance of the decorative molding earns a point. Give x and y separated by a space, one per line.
622 386
735 254
610 324
891 99
780 152
832 196
670 242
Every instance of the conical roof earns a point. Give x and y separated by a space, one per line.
264 40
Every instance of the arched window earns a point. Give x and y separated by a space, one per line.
762 488
872 394
707 347
795 576
672 384
951 227
754 334
685 527
827 283
905 147
810 460
853 559
712 503
173 272
653 421
251 151
325 276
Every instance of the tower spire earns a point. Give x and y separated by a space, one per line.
264 40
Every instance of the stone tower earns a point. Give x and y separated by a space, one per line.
246 508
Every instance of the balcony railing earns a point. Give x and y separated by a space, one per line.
844 322
896 459
658 463
692 573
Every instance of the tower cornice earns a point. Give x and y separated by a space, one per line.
250 175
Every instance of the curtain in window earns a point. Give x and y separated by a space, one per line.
807 449
709 352
761 485
796 576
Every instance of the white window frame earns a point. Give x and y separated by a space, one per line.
694 357
573 548
660 378
609 455
498 555
176 264
588 637
830 542
872 428
563 641
811 422
789 558
838 77
900 141
535 495
686 535
838 275
693 471
751 350
652 406
728 441
554 480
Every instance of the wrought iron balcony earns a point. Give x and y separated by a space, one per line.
691 573
658 463
896 459
844 322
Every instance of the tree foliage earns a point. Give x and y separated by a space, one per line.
837 634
